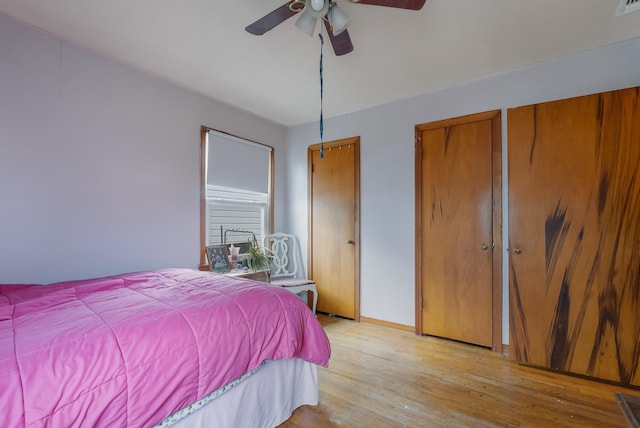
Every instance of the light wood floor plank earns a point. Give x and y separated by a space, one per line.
381 377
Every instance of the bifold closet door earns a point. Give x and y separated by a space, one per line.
574 219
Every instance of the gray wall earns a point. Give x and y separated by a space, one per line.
387 161
99 163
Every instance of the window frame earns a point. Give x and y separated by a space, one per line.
203 189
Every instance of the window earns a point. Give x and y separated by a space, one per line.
236 190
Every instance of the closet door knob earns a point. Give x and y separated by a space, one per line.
484 247
517 250
350 241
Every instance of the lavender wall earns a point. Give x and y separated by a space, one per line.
99 163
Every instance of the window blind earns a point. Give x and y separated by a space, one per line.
237 163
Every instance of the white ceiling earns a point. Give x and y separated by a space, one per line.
202 45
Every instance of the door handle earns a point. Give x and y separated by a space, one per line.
484 247
350 241
517 250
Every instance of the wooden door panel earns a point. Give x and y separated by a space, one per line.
333 224
456 223
574 209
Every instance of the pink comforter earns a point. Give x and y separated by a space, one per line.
130 350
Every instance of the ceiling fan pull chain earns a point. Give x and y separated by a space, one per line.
321 87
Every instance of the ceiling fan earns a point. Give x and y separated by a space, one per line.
333 18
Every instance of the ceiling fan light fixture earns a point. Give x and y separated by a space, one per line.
337 20
306 23
310 8
317 4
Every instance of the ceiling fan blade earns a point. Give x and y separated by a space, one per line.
400 4
271 20
341 43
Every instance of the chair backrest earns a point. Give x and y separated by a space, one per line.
286 255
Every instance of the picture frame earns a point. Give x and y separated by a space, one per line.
218 257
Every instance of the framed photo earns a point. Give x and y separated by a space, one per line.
218 256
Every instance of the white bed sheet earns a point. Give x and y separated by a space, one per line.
263 400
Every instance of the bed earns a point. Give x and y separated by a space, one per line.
172 347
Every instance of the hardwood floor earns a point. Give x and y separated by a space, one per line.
381 377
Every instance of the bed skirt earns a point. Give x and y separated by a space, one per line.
264 399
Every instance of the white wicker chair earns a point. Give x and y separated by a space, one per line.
285 270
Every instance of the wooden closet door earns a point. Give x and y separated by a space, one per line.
334 241
574 215
455 242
